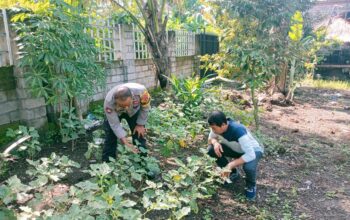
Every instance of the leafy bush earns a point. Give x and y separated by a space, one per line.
170 129
189 92
182 187
58 56
71 126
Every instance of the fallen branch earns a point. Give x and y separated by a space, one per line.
171 161
220 78
15 144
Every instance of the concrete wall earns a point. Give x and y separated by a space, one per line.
17 103
8 98
186 66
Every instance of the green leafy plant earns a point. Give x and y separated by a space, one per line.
51 169
189 92
71 126
29 147
113 191
58 57
170 129
96 108
95 148
182 187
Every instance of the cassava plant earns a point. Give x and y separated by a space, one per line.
57 56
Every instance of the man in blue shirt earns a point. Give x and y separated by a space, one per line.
231 139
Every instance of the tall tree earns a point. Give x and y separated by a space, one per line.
254 37
152 24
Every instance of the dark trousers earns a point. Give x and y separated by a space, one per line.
249 168
110 145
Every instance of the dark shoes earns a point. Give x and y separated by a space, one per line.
250 193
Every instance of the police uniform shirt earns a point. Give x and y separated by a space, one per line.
140 102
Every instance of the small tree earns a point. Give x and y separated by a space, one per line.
302 52
58 57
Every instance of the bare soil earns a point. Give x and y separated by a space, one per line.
310 179
306 176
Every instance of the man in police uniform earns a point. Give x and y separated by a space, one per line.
130 101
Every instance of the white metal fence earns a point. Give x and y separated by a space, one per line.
108 37
185 43
140 47
6 57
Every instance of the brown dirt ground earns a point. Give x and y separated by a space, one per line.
311 180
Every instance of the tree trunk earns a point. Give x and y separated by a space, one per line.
154 30
156 38
291 86
256 107
77 108
280 80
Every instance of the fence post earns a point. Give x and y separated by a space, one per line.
172 51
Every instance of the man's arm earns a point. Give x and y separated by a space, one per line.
145 102
214 140
249 153
145 106
114 123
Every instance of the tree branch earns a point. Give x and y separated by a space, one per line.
135 19
15 144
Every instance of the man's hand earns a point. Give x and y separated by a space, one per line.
225 173
140 130
132 147
218 149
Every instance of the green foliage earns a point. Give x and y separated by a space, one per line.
302 52
170 129
113 192
189 92
58 57
96 108
254 40
182 187
190 15
95 148
29 147
122 18
4 140
71 126
296 28
49 133
52 169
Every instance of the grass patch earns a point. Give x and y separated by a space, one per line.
327 84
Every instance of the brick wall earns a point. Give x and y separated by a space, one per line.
8 97
17 104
